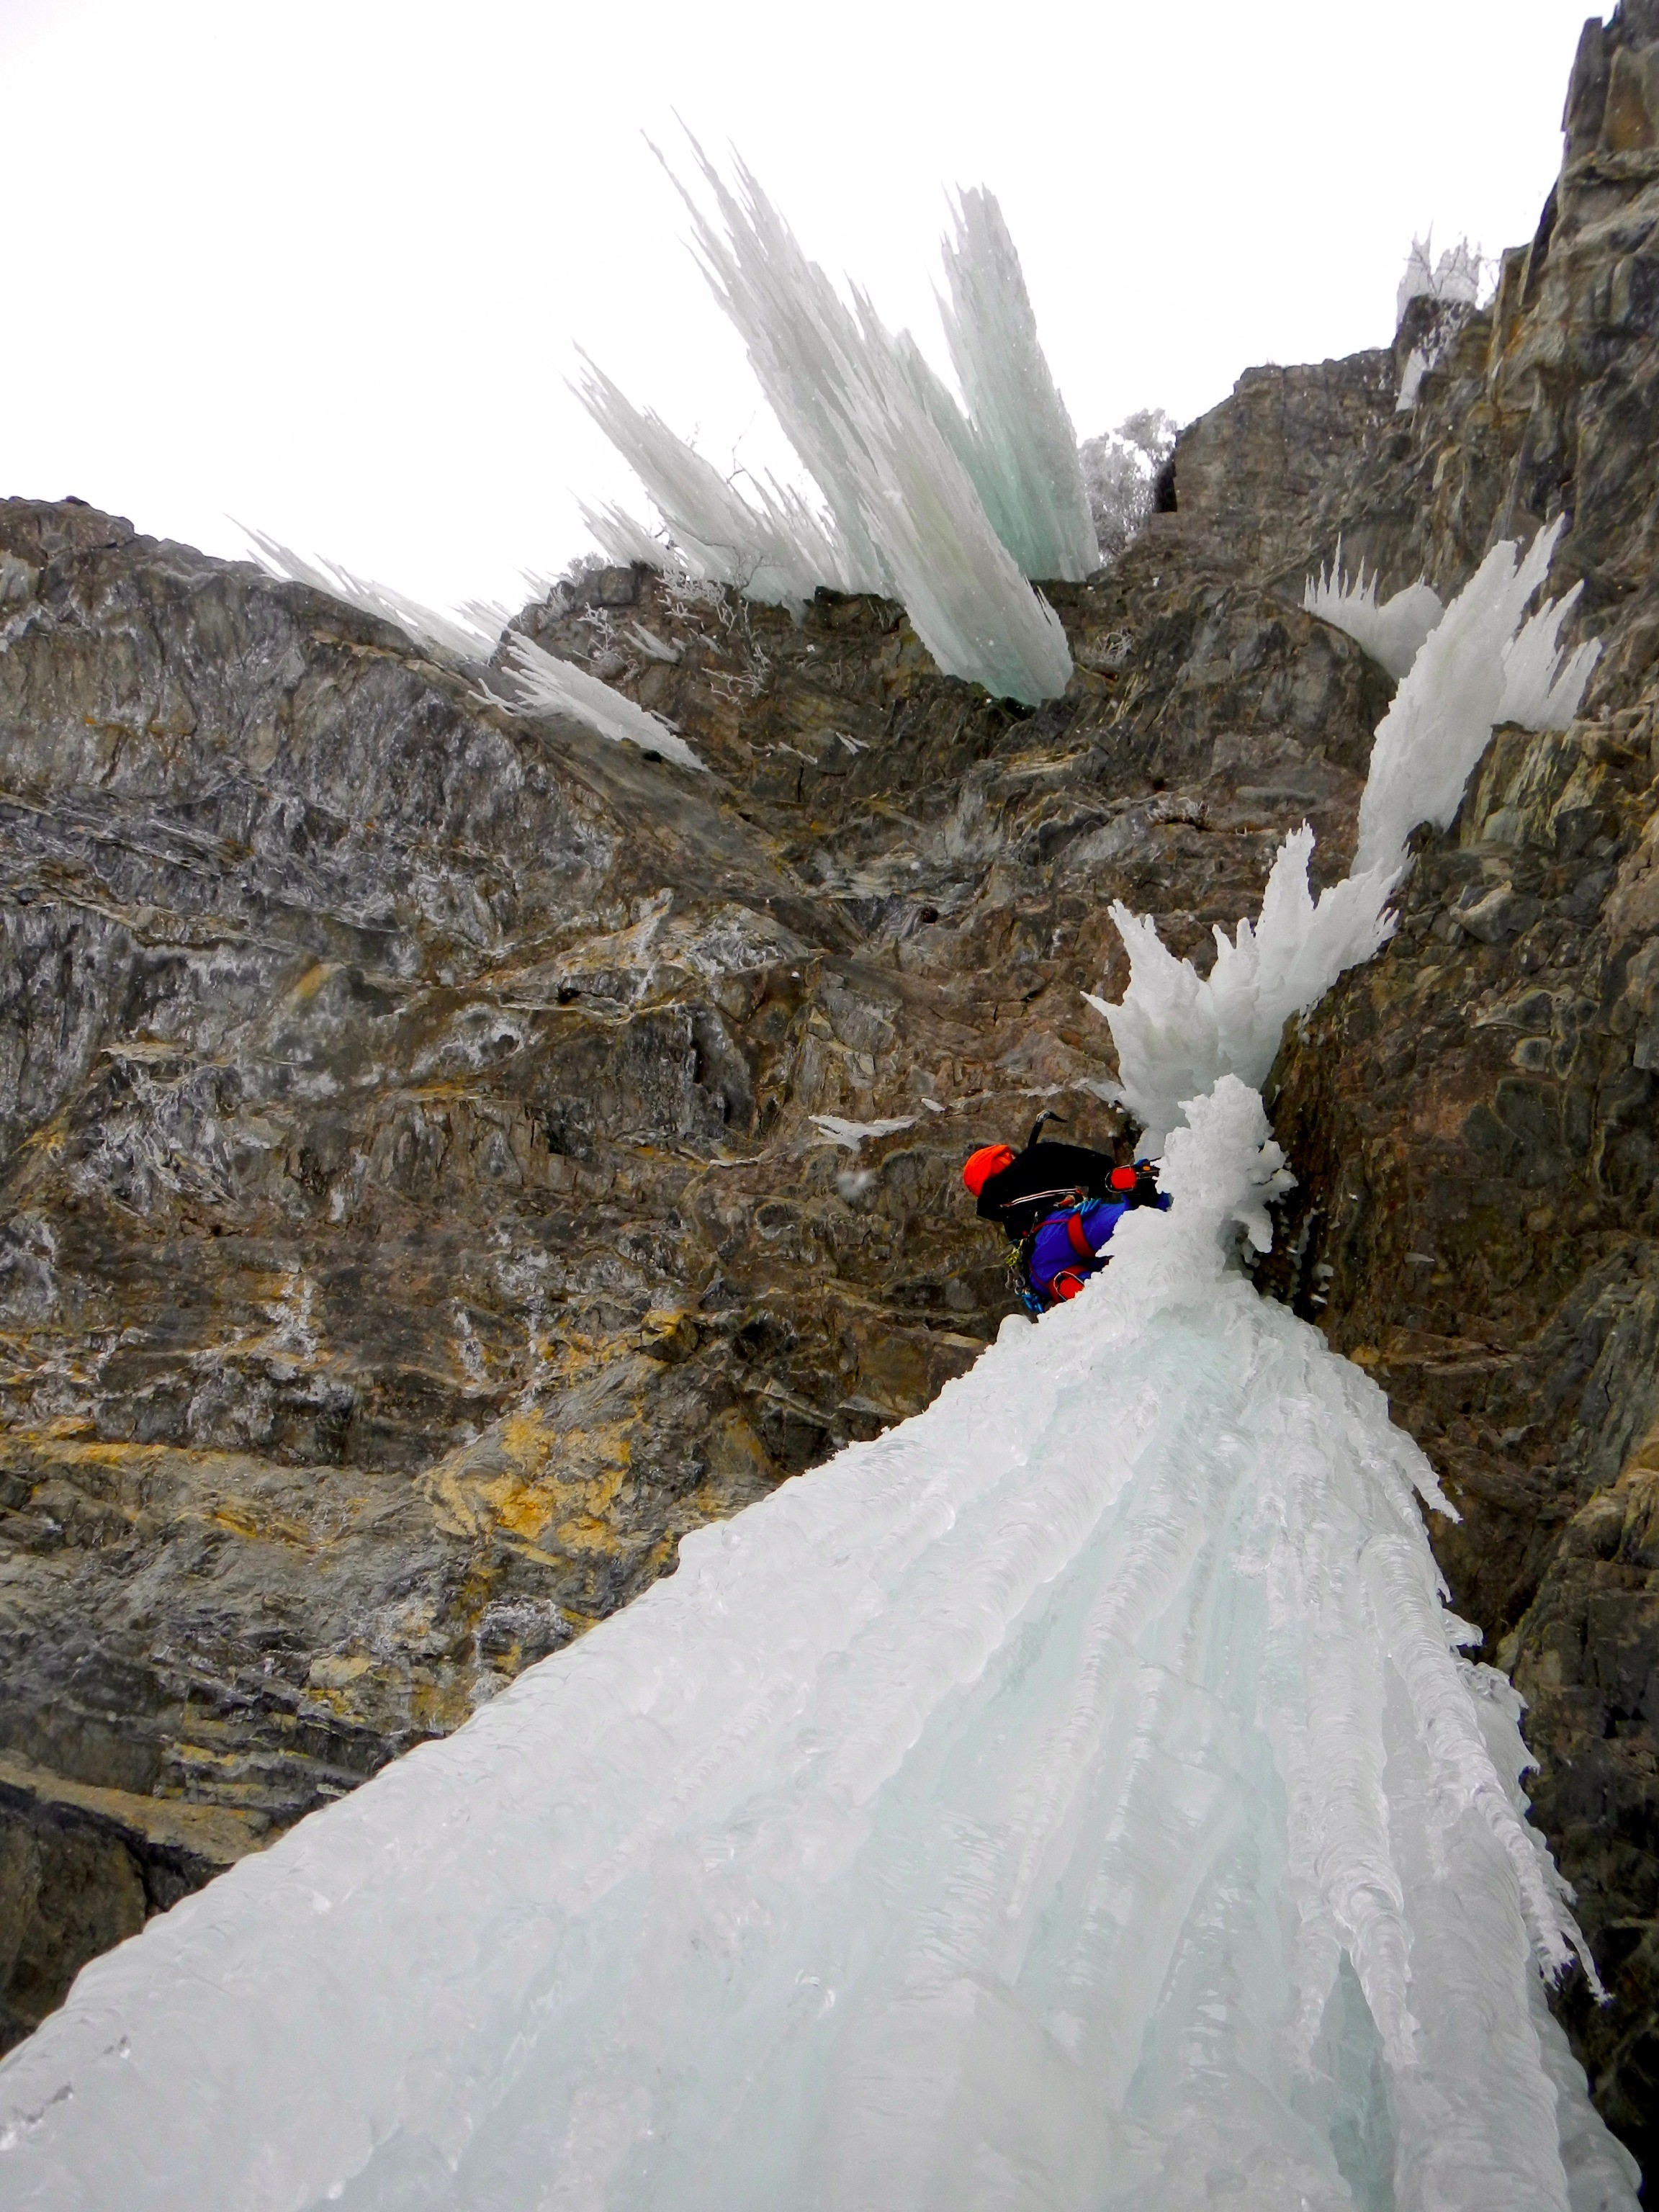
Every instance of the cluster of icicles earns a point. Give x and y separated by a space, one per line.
1076 1797
949 506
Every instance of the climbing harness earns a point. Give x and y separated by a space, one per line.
1129 1187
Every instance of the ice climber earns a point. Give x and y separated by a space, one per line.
1058 1204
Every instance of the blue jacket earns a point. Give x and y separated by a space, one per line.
1065 1252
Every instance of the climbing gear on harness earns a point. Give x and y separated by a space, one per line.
1070 1280
1027 1192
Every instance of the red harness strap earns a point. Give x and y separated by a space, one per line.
1078 1236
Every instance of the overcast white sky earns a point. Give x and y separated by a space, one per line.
322 264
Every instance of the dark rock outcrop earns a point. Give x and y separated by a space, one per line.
1474 1115
414 1216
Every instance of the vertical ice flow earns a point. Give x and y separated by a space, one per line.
1075 1797
1479 664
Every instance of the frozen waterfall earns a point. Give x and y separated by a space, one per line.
1075 1798
1483 662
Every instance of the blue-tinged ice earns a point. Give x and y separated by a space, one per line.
1390 633
1076 1798
1021 449
893 456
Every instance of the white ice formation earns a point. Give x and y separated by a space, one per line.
923 502
1391 633
549 686
1074 1797
468 636
1452 281
835 1130
1481 664
1177 1032
540 681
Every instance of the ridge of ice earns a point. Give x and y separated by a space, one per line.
539 682
1480 666
468 636
1175 1031
1391 633
1074 1796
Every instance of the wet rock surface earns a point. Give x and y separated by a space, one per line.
415 1217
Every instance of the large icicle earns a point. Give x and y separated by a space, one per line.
771 545
1073 1797
1025 460
883 440
1176 1031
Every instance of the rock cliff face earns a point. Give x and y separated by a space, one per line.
414 1219
1474 1115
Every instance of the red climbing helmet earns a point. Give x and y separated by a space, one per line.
989 1160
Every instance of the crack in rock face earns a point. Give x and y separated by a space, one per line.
449 1156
